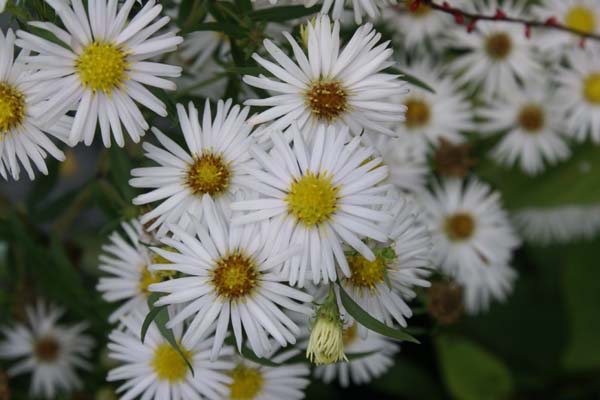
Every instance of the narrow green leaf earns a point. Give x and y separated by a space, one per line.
363 318
250 355
160 318
411 79
230 29
283 13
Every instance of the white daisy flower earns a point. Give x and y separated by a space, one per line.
382 287
102 71
499 56
579 15
154 370
473 239
579 92
51 352
531 121
364 368
559 224
23 138
321 197
214 164
407 163
252 381
417 27
127 258
432 116
232 277
329 86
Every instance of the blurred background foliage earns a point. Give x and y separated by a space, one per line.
543 343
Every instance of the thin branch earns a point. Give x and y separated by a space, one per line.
462 16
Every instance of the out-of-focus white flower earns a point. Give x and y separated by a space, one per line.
473 240
531 122
51 352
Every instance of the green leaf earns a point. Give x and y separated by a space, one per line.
230 29
190 11
283 13
570 183
363 318
411 79
160 319
470 372
581 280
416 382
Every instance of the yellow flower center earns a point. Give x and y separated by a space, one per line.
459 226
349 335
12 108
102 66
46 349
209 174
327 100
591 88
235 276
419 11
312 199
531 118
366 274
148 277
168 364
418 113
247 383
581 18
498 45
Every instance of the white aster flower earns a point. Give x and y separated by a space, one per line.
329 86
579 15
51 352
232 276
252 381
23 138
127 258
320 197
382 287
499 56
531 120
558 224
432 116
154 370
102 71
2 5
473 240
579 92
407 162
214 164
364 368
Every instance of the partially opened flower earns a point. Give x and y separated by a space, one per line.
154 370
102 70
23 137
213 164
327 85
531 121
319 196
232 276
50 351
374 356
473 239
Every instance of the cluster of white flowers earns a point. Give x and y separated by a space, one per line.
256 222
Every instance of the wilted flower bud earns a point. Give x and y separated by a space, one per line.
326 342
